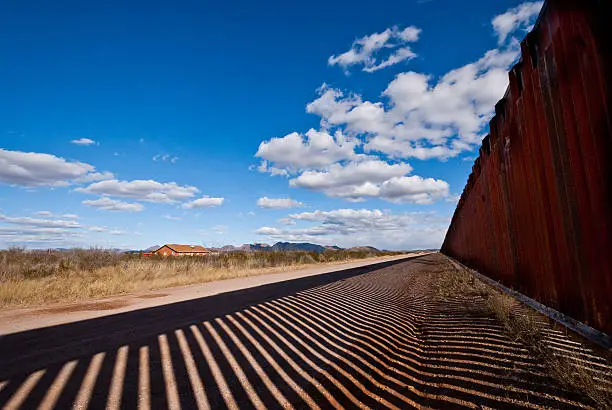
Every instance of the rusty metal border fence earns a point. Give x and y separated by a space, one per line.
536 213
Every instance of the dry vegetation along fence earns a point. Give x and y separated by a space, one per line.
38 277
570 367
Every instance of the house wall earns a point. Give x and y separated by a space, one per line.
536 213
164 251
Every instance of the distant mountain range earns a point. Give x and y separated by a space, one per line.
247 247
280 247
364 248
288 246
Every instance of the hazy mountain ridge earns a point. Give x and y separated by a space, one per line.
289 246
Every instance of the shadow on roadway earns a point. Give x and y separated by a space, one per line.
368 337
81 360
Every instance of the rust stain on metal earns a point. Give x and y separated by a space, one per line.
536 213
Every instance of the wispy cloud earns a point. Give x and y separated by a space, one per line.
277 203
143 190
520 17
353 227
108 204
84 142
37 169
204 202
32 231
42 223
364 50
165 158
52 215
220 229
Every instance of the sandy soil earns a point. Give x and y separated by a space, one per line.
368 337
21 319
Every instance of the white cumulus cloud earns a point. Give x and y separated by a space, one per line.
514 19
204 202
427 117
420 117
277 203
361 148
109 204
315 149
84 141
143 190
414 189
358 227
342 173
39 223
357 181
352 181
95 176
37 169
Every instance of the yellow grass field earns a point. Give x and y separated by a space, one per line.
38 278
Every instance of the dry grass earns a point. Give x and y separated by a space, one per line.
31 278
530 328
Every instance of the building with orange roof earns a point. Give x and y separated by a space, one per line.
181 250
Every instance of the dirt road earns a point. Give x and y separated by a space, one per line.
19 320
368 337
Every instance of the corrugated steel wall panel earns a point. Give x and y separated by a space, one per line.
536 213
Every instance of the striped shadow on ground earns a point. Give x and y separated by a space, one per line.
365 338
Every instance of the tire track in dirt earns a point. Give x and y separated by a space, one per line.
383 339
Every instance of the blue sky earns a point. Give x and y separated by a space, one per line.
127 124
